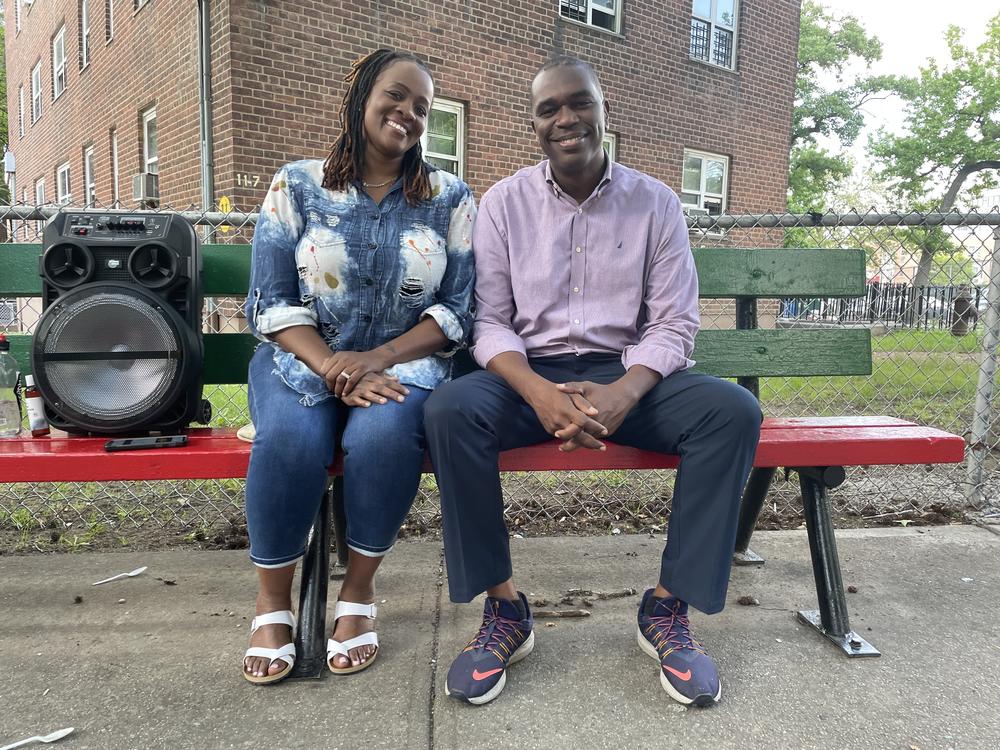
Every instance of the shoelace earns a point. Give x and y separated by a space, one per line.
496 633
666 632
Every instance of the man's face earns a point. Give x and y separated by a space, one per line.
567 114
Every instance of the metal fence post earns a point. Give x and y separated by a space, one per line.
981 417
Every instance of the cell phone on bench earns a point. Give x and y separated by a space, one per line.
142 443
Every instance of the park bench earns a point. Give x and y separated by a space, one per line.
816 448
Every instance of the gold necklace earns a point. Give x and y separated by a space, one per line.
379 185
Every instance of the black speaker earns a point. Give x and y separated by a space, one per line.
118 348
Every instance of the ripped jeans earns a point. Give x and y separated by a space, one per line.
383 449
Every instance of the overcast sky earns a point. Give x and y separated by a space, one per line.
911 31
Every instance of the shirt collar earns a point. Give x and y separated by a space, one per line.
558 191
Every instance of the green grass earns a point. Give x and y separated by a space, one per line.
925 341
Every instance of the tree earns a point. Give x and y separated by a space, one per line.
952 131
828 47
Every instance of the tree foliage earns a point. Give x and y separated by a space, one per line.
829 47
952 125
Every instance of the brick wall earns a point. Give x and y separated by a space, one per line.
150 61
278 68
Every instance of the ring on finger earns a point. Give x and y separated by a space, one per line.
346 375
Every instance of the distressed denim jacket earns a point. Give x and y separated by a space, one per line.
362 273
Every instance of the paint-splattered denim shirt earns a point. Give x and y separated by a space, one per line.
362 273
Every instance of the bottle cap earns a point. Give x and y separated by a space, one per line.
4 343
29 380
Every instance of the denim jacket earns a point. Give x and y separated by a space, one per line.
362 273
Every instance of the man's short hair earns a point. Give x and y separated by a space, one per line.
567 61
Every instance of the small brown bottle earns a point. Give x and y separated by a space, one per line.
37 423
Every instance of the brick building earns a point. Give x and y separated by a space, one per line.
100 90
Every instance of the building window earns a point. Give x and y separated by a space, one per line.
36 92
59 63
444 140
611 144
63 193
84 34
150 160
705 182
89 191
109 19
114 167
604 14
17 16
713 32
20 111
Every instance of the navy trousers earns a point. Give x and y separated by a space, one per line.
712 424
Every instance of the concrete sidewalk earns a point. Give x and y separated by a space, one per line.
161 669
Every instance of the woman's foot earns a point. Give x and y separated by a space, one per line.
268 636
351 626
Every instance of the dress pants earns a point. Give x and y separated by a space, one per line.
712 424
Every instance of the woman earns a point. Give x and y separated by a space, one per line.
361 286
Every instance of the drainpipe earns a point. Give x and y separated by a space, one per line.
205 113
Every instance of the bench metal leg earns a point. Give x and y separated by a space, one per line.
339 526
753 500
310 639
831 619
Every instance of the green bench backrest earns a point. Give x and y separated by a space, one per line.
723 273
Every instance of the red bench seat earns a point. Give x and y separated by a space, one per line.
218 454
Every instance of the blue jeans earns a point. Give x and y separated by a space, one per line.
383 449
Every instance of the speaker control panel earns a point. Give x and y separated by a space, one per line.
116 226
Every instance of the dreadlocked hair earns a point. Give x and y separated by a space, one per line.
346 161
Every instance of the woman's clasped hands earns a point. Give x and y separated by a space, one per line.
359 379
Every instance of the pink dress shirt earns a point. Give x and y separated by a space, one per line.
613 274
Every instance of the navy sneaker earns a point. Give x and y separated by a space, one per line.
687 673
479 673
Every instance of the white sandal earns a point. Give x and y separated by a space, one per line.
286 653
333 648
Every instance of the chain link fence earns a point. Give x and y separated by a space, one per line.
932 302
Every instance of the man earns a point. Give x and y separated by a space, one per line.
587 308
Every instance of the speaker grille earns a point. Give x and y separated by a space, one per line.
88 348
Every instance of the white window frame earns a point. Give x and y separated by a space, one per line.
36 92
17 16
59 63
702 193
611 144
456 108
715 24
109 19
64 190
594 6
84 34
24 222
150 163
20 111
114 166
89 182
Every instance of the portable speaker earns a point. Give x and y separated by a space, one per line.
118 348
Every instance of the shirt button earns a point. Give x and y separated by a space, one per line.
576 321
373 245
366 318
373 217
579 249
369 282
576 290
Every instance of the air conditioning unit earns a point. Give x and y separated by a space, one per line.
146 187
695 211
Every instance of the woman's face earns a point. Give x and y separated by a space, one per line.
397 108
